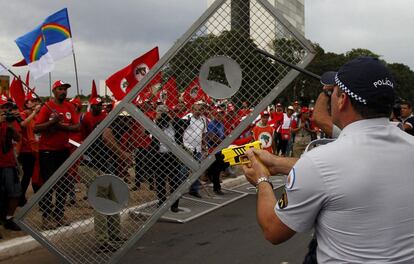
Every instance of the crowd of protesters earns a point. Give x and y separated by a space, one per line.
37 141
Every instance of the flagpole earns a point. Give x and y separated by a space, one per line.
73 53
50 84
76 71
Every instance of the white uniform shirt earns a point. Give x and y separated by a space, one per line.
358 194
193 135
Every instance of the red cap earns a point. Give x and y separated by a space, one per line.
30 96
95 101
265 113
304 109
4 99
59 83
76 101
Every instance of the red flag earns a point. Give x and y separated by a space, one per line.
94 92
121 82
117 83
17 93
168 94
20 63
141 66
194 93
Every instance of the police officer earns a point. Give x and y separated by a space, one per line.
355 192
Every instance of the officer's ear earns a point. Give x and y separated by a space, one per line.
343 100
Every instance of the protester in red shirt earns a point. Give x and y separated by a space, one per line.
77 135
93 117
245 110
29 146
264 132
10 189
56 120
232 119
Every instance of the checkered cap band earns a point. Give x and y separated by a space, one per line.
348 91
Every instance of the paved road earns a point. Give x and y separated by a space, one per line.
228 235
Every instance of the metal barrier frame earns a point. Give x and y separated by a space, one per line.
196 168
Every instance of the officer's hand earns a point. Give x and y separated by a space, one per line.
255 169
264 156
327 90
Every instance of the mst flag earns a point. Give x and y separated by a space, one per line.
117 83
35 53
121 82
169 94
194 93
141 66
57 34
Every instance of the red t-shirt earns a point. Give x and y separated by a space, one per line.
54 139
264 135
77 136
230 123
90 121
276 120
7 159
136 137
29 142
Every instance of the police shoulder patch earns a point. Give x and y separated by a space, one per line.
290 180
283 201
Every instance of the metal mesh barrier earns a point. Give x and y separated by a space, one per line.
142 157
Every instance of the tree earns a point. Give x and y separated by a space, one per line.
404 78
260 74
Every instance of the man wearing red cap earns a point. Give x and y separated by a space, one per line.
264 132
93 117
55 122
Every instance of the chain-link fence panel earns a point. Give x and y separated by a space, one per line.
149 151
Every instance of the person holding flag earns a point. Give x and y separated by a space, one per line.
29 145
